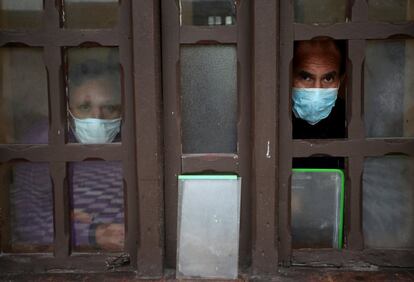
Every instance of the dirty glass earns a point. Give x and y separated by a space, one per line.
207 12
317 225
23 96
389 88
26 204
97 206
391 10
94 95
208 226
388 202
21 14
209 99
91 14
320 11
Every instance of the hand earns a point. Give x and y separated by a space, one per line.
110 236
81 216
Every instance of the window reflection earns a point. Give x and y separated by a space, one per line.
208 12
389 88
21 13
27 207
320 11
97 205
388 202
78 13
23 96
94 95
391 10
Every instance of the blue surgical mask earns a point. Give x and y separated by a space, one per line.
94 130
313 104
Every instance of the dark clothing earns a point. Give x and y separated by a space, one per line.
331 127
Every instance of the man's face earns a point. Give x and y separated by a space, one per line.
95 99
317 65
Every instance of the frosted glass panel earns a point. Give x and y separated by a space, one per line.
26 202
388 202
208 12
391 10
91 14
208 226
97 205
16 14
209 99
317 225
389 88
320 11
23 96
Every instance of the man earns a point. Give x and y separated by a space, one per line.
318 72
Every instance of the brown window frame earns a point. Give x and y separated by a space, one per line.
137 29
268 35
354 148
176 162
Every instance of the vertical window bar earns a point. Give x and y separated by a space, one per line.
57 118
285 131
356 51
128 132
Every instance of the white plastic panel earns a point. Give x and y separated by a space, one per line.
208 226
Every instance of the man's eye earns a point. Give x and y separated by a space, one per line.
329 78
305 77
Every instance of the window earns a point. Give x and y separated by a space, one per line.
378 148
68 168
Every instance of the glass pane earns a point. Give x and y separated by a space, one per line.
391 10
78 13
94 94
97 205
389 88
388 202
208 12
208 226
209 99
320 11
21 14
23 96
27 201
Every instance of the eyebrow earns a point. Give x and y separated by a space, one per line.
303 73
331 73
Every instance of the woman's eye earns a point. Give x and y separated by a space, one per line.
84 107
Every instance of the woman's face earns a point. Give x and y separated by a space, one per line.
95 98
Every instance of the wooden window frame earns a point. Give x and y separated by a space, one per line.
176 162
137 30
354 148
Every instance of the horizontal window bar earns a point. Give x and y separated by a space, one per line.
219 34
353 30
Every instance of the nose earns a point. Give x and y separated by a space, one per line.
96 113
317 84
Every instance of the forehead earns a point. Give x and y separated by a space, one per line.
309 54
93 88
